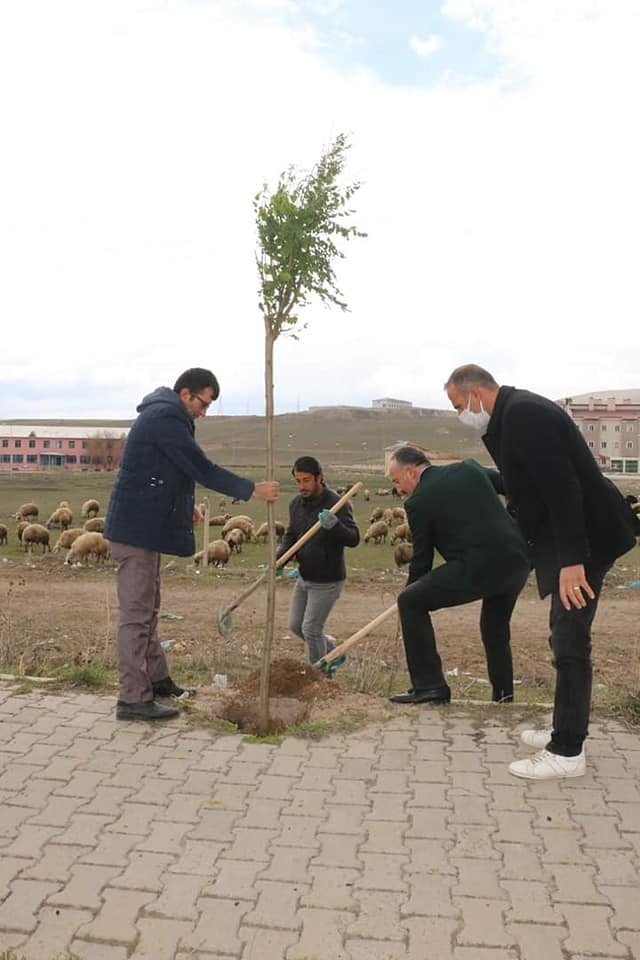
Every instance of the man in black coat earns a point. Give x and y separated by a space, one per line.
152 511
456 510
576 523
321 565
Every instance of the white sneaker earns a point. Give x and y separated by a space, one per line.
549 766
536 738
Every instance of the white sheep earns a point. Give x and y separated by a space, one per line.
67 537
399 513
219 520
95 525
235 538
366 494
35 533
240 523
218 554
61 517
401 533
387 516
377 532
86 545
90 508
376 514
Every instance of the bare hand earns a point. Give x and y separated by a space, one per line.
266 490
197 516
573 587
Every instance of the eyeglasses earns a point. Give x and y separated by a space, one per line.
205 403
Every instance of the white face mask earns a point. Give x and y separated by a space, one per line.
479 421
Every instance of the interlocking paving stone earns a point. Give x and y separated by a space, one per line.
406 839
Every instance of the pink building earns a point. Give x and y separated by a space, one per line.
71 448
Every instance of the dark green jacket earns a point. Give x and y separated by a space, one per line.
456 511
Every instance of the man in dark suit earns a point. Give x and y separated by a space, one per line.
456 510
576 524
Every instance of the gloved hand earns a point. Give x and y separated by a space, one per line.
263 567
327 519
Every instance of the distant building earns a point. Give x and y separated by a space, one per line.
390 403
610 424
32 448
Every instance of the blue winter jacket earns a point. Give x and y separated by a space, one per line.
152 500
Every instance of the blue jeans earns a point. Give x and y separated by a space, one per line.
311 605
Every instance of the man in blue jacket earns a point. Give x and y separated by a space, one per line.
322 570
152 511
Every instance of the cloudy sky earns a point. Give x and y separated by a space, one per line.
496 142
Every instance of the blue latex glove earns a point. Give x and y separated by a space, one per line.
327 519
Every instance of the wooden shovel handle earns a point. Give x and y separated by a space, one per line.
362 632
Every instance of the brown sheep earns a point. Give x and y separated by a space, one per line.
377 532
219 520
28 510
387 516
4 534
86 545
62 517
35 533
64 504
95 525
218 554
399 513
262 532
401 533
402 554
235 538
90 508
240 523
66 538
376 514
22 526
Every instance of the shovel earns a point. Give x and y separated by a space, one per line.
225 623
326 663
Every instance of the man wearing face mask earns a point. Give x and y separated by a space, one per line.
576 524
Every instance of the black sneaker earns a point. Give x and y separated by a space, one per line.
167 688
147 710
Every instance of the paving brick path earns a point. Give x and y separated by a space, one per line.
404 840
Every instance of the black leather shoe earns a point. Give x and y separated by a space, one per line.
433 695
167 688
147 710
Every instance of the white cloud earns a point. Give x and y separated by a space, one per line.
502 219
425 48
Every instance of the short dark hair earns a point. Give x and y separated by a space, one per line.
408 456
470 375
197 379
307 465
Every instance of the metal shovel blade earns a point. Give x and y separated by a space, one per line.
225 623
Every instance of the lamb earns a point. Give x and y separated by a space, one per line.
387 516
376 514
62 517
235 538
401 533
219 520
87 544
28 510
377 532
35 533
399 513
90 508
263 532
218 554
22 526
4 534
402 554
240 523
67 537
95 525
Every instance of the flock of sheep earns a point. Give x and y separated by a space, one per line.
83 543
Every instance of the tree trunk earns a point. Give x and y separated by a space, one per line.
265 667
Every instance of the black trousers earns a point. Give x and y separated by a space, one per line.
570 642
448 586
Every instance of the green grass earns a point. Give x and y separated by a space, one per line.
92 676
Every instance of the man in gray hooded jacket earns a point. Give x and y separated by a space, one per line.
151 512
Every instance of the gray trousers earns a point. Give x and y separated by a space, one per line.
311 605
141 659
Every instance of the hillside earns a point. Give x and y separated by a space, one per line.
335 435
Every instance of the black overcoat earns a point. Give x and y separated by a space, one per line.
568 511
